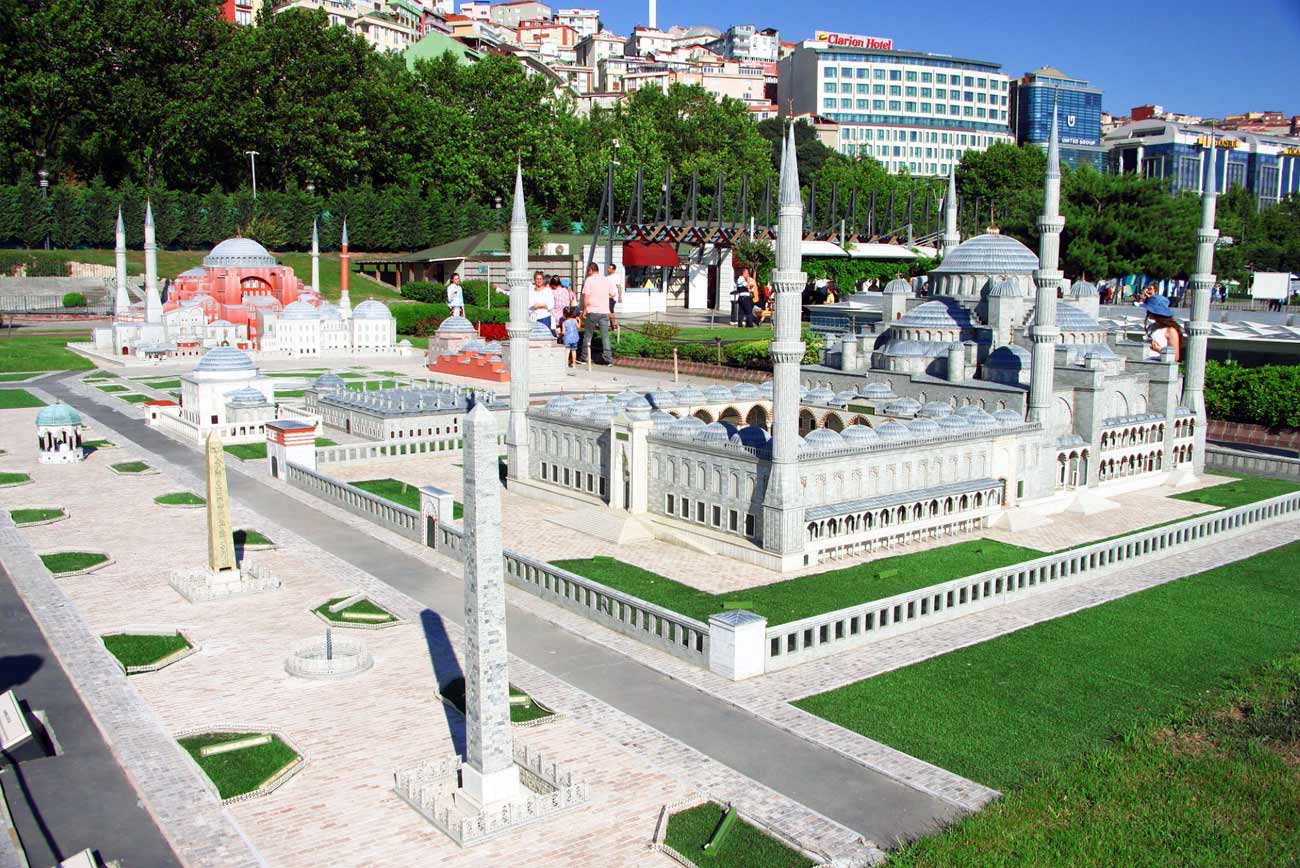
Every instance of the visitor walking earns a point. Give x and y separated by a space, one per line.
561 298
456 296
569 332
744 298
540 301
1162 329
597 291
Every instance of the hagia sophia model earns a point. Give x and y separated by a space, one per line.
983 404
241 298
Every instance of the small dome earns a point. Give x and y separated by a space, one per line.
765 389
638 408
745 391
57 414
329 381
1008 288
404 343
941 313
371 309
225 359
823 440
1071 319
717 394
239 253
714 432
688 426
820 395
936 409
844 396
1099 351
664 422
897 286
453 325
247 396
1008 418
299 310
877 391
1083 289
1008 357
662 397
622 399
559 403
903 407
538 331
969 410
924 427
980 419
690 395
990 253
604 413
954 422
893 431
750 436
330 312
860 435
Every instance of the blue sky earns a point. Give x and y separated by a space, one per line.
1202 57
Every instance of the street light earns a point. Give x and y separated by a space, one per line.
45 189
252 161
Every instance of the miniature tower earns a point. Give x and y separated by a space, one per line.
489 775
122 300
345 303
951 235
1199 328
221 541
315 256
152 301
1044 333
518 330
783 531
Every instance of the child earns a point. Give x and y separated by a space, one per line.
569 326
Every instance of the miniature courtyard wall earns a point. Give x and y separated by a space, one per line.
382 512
380 450
1251 463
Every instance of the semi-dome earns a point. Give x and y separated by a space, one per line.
239 253
1007 288
371 309
329 381
936 409
1099 351
822 440
223 359
990 253
897 286
877 391
937 314
1070 318
299 310
860 435
57 414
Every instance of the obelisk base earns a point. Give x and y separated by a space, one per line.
204 585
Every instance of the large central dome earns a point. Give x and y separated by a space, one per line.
990 253
239 253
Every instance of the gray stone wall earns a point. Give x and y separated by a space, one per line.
572 454
716 488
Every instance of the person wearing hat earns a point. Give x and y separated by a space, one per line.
1162 328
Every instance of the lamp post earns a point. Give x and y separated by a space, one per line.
44 177
252 162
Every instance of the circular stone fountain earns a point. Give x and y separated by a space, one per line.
329 657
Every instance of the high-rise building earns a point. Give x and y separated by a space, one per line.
747 42
1032 98
911 111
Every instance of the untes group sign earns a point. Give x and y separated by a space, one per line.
851 40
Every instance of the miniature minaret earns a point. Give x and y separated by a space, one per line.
1044 333
221 541
517 330
489 775
315 257
1198 329
152 301
122 301
345 303
783 531
951 235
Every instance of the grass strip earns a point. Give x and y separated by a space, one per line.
135 399
395 490
17 399
112 387
1010 709
454 692
67 562
1239 492
15 378
97 444
7 478
164 384
361 607
239 771
33 516
39 352
131 467
744 846
815 594
131 650
245 537
179 498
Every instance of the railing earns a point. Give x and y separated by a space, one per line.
808 639
230 432
384 449
381 511
1278 466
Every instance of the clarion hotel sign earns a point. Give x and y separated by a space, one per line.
851 40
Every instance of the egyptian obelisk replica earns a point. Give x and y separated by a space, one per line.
221 539
489 776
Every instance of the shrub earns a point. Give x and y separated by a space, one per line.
660 330
74 299
425 291
407 315
1267 395
476 295
748 354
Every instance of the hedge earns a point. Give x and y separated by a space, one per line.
1267 395
74 299
475 293
36 263
422 318
740 354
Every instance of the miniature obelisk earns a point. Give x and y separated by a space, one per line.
221 541
489 775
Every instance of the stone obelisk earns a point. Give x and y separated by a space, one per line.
489 776
221 541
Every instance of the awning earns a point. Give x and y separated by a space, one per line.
657 253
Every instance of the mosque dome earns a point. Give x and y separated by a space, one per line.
330 311
981 419
877 391
923 427
1099 351
662 397
860 435
766 389
239 253
299 310
224 360
57 414
1007 288
897 286
717 394
903 407
329 381
664 422
246 397
745 391
558 403
638 408
1070 318
714 432
688 426
936 409
1083 289
623 399
451 325
820 395
1008 418
937 314
844 396
371 309
690 395
823 440
893 431
953 423
605 412
990 253
969 410
750 436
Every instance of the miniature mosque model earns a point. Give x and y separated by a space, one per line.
991 402
241 298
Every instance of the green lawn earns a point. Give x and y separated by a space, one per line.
99 375
1007 710
131 467
257 451
97 444
361 607
803 597
135 399
454 692
66 562
1246 489
179 498
726 333
142 650
112 387
164 384
402 493
290 393
7 478
34 351
31 516
371 385
417 341
1214 784
251 538
14 378
239 771
743 847
14 399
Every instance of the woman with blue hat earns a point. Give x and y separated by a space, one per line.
1162 328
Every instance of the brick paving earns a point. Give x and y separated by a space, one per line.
237 679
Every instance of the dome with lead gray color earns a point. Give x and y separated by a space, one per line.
990 253
937 314
1083 289
1007 288
717 394
924 427
239 253
299 310
688 426
1008 418
860 435
663 421
822 440
893 431
820 395
638 408
952 423
690 395
1071 319
224 359
877 391
745 391
371 309
936 409
903 407
897 286
714 432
